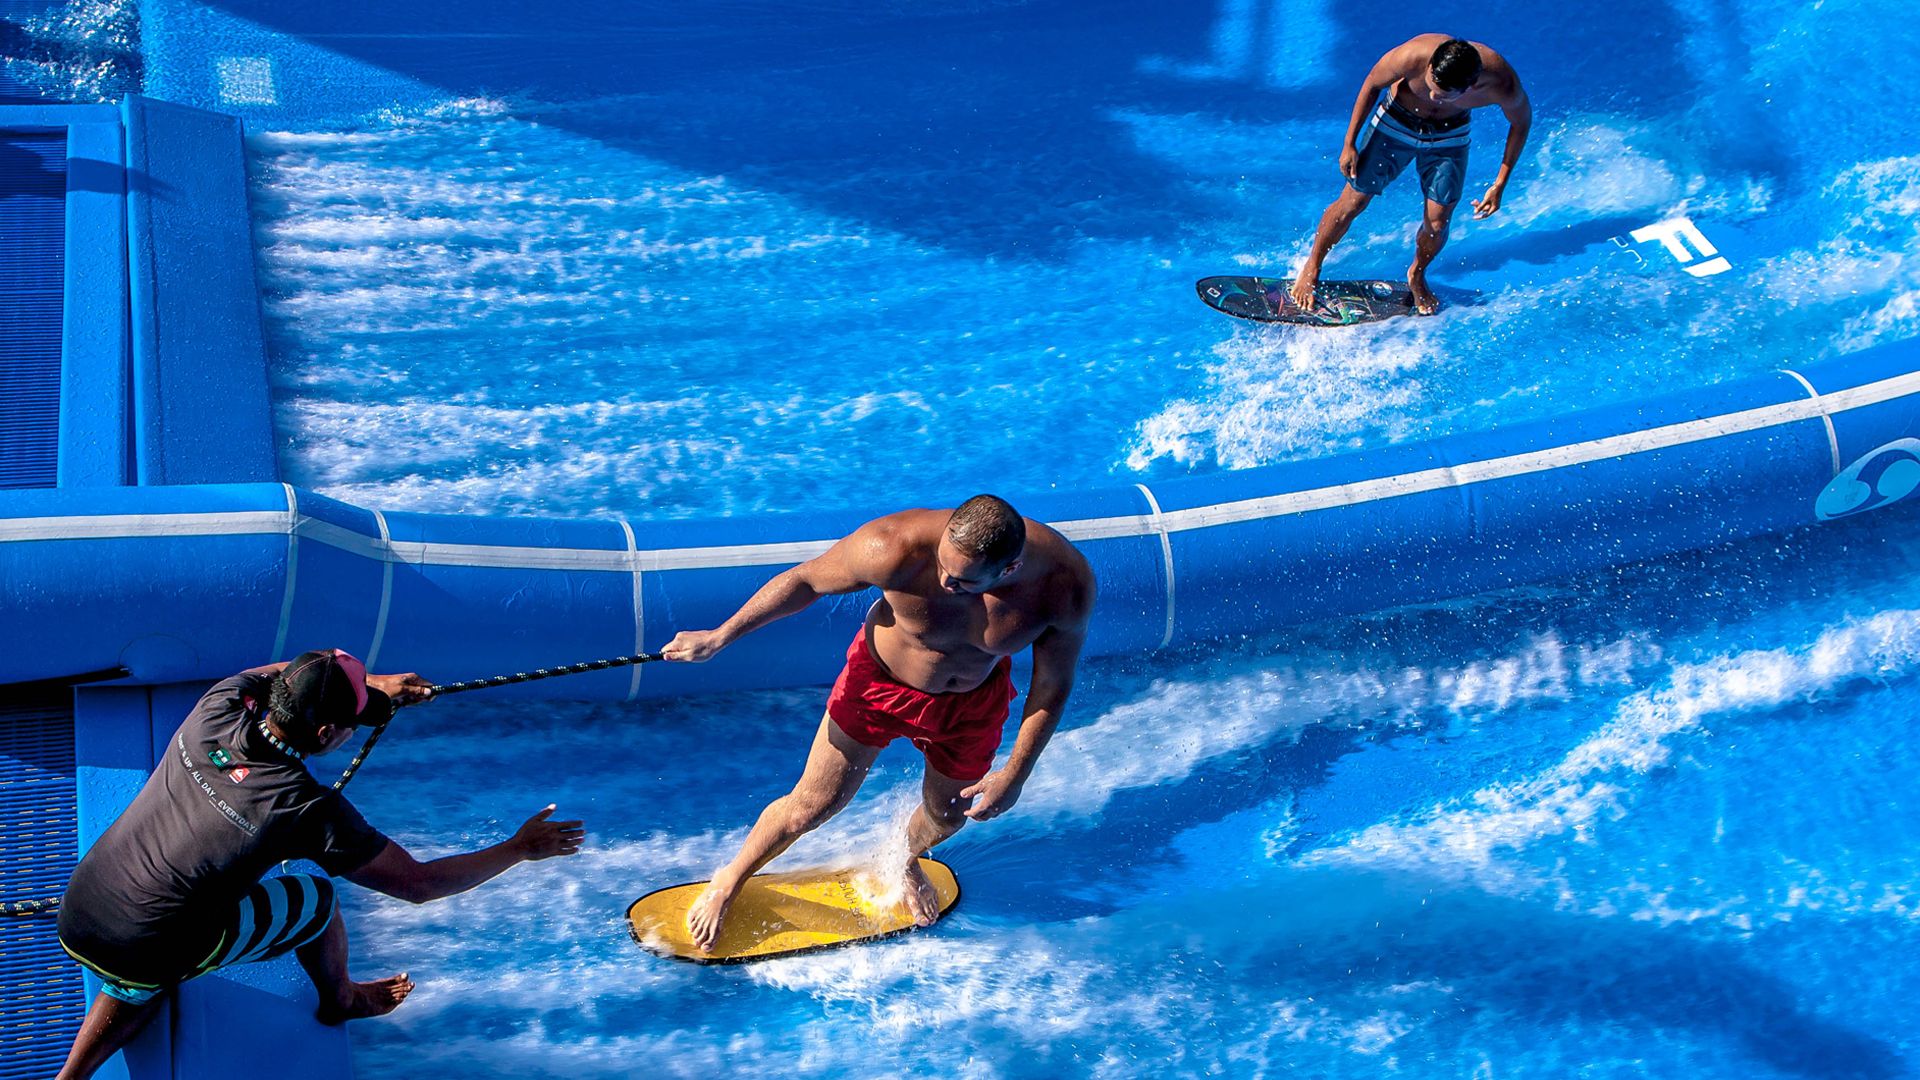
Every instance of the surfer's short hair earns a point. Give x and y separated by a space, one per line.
988 528
1456 64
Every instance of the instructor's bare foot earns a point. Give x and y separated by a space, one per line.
923 903
708 914
364 999
1424 302
1302 290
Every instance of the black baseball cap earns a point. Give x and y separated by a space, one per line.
329 686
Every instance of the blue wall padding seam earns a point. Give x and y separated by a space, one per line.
144 398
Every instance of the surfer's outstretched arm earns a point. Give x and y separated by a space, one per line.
867 557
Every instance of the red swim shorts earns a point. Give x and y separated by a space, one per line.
958 732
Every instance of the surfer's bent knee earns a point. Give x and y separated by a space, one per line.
948 813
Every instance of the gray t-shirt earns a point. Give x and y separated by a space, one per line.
224 805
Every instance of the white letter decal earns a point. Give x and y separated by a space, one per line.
1672 232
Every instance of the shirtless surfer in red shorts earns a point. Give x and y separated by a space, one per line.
961 592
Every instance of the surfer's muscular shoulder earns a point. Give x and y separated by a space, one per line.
893 551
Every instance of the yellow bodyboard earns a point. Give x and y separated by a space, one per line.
782 914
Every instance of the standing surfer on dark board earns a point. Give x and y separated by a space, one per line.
1432 84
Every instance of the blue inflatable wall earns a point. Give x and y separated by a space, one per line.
193 583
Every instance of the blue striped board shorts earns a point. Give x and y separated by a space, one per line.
1392 138
276 916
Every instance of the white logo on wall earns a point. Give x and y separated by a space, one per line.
1687 244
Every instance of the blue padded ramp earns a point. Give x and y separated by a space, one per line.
200 408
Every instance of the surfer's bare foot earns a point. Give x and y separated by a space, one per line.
1424 302
708 914
1302 290
364 999
923 903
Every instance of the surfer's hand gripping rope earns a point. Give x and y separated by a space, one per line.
694 646
412 689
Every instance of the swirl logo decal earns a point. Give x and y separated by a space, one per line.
1876 478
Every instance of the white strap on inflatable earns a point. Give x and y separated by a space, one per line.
1833 441
386 596
293 569
639 610
1166 554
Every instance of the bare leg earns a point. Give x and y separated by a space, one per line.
836 766
342 999
1333 225
940 814
1427 244
110 1025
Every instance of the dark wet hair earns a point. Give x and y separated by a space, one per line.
298 724
1456 64
988 528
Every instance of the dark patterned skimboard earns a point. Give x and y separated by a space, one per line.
1341 303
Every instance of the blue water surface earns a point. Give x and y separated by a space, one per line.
676 260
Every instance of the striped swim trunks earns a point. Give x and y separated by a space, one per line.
276 916
1392 138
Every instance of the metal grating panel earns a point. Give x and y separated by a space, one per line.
42 998
33 209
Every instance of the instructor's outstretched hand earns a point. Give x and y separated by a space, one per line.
993 795
693 646
542 838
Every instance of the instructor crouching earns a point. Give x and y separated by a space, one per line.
175 888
